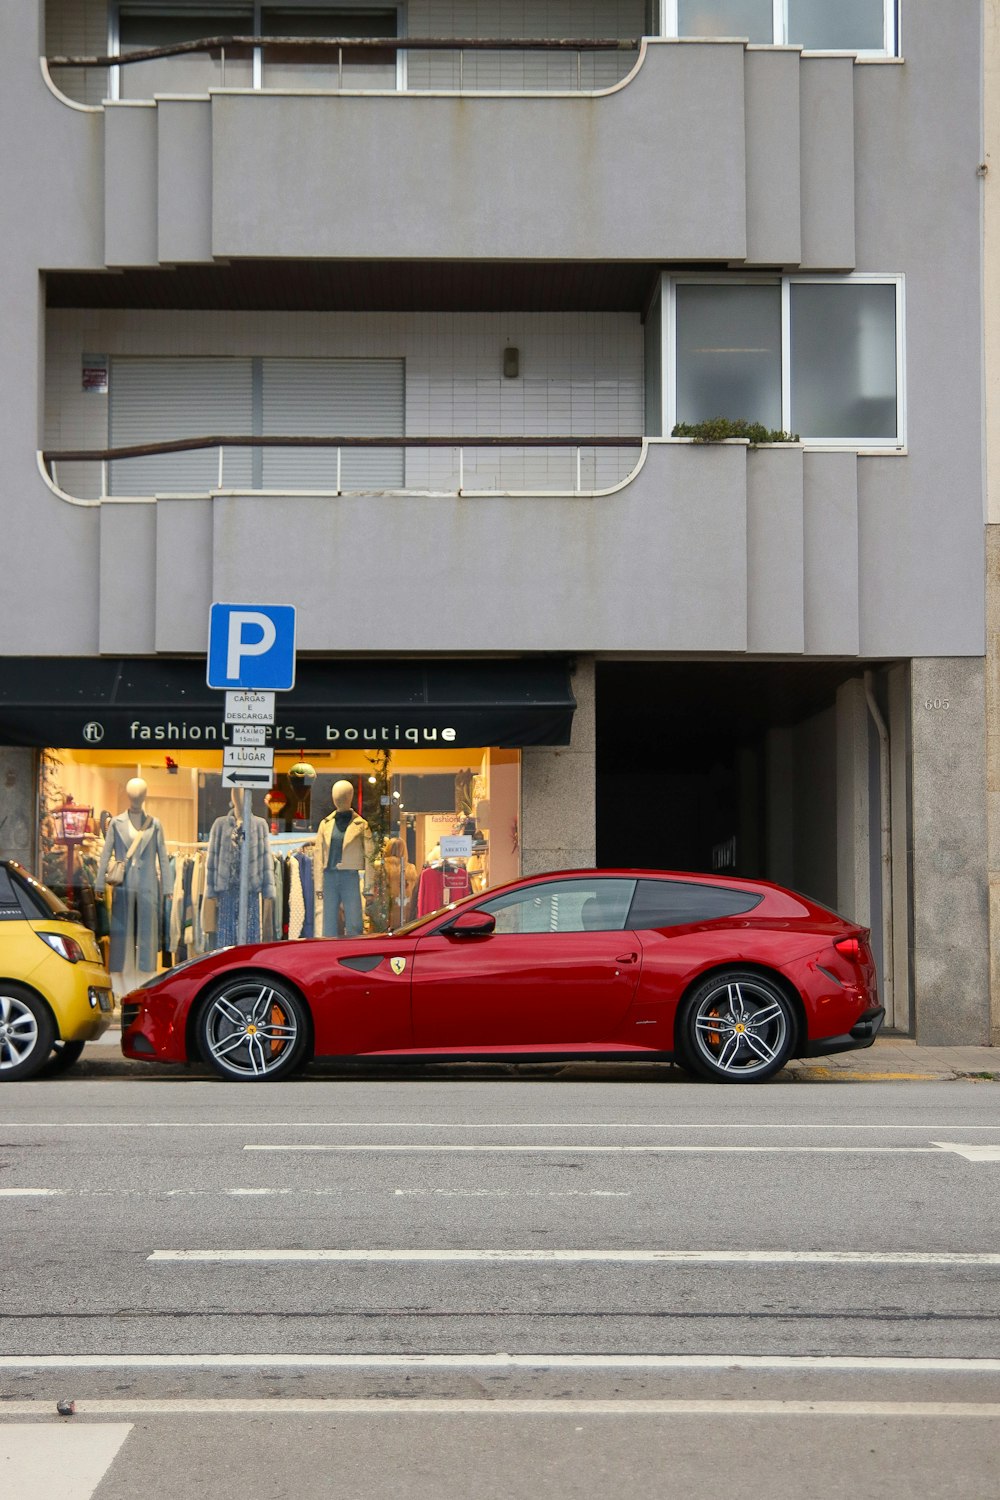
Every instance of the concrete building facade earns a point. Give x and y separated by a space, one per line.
520 268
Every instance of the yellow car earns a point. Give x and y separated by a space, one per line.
55 993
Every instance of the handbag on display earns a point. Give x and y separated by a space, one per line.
117 869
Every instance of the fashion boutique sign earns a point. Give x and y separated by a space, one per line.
164 731
335 705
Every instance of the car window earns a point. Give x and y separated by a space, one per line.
674 903
9 908
564 906
35 899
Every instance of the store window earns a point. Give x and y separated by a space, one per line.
413 829
864 26
821 357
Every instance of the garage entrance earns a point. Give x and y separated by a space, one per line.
788 771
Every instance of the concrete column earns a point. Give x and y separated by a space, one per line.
993 764
854 896
18 803
951 954
559 792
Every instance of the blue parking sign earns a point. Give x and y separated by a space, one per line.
251 646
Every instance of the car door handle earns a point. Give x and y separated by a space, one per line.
627 958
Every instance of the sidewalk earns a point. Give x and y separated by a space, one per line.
897 1059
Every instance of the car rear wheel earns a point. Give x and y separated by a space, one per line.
253 1029
27 1033
738 1027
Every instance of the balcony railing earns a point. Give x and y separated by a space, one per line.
309 48
456 476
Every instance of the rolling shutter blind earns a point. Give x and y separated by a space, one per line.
154 400
333 398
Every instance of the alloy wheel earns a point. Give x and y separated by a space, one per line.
252 1029
739 1028
18 1032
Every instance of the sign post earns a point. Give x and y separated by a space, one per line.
251 656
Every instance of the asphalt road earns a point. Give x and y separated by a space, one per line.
469 1285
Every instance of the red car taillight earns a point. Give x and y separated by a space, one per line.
66 947
850 948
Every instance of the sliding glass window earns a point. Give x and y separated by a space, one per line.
863 26
818 356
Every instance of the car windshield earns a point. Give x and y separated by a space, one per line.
35 898
430 916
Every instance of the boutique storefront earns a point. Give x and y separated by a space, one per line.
396 788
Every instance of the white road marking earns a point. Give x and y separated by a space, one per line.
255 1125
882 1364
611 1257
505 1193
970 1152
550 1150
55 1460
32 1192
375 1406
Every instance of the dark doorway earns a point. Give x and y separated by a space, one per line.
689 773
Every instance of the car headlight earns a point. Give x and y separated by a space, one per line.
66 947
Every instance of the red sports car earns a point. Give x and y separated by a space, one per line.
728 977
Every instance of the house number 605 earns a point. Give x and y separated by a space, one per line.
937 702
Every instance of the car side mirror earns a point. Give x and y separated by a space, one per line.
472 924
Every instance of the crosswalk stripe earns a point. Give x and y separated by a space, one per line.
55 1460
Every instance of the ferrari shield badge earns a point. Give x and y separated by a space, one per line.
397 965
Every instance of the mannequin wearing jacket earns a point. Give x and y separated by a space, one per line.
220 909
343 854
136 904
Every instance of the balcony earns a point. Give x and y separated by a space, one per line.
703 152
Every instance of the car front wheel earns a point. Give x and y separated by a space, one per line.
27 1032
253 1029
738 1027
64 1055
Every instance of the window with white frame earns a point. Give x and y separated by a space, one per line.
137 25
860 26
820 356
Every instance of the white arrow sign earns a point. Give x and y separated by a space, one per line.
236 777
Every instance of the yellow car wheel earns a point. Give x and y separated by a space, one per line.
27 1033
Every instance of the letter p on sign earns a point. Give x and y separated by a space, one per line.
251 646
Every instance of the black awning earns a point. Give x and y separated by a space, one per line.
131 703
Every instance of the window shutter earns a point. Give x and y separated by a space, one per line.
154 400
333 398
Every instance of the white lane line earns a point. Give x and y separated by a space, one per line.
33 1192
507 1193
970 1152
743 1126
882 1364
151 1194
610 1257
55 1460
375 1406
550 1150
